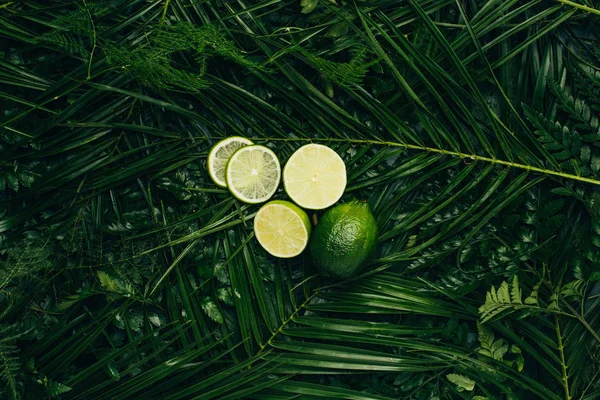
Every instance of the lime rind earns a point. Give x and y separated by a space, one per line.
314 177
282 228
253 174
344 240
220 154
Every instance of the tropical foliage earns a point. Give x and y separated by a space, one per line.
471 128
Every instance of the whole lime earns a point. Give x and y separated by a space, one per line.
344 239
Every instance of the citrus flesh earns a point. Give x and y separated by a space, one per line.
282 228
253 174
344 239
219 156
315 177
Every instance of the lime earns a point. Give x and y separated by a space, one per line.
282 228
220 154
314 177
344 239
253 174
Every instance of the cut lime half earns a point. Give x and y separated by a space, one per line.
219 156
282 228
314 177
253 174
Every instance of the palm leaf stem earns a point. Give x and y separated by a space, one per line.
466 156
563 363
580 6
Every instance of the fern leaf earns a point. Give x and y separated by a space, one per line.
516 294
553 304
22 261
486 339
573 289
151 65
462 382
490 346
9 362
492 305
9 367
56 388
551 208
507 297
67 42
565 145
532 299
115 286
579 110
153 69
504 293
587 81
210 307
343 74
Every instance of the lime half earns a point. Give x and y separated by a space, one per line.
253 174
282 228
219 156
315 177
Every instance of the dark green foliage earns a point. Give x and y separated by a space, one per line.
471 128
9 362
151 63
344 74
565 145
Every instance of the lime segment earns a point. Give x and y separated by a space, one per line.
219 156
315 177
282 228
253 174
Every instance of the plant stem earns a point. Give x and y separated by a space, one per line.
93 37
580 6
582 320
574 314
562 358
164 13
287 321
473 157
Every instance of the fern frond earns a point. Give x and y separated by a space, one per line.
532 299
9 367
22 261
516 293
343 74
116 287
490 346
565 145
506 298
77 20
579 110
573 289
151 65
56 388
587 81
9 362
205 41
67 42
462 382
151 68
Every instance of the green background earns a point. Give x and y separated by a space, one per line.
470 127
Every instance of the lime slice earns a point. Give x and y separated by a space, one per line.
253 174
282 228
220 154
314 177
